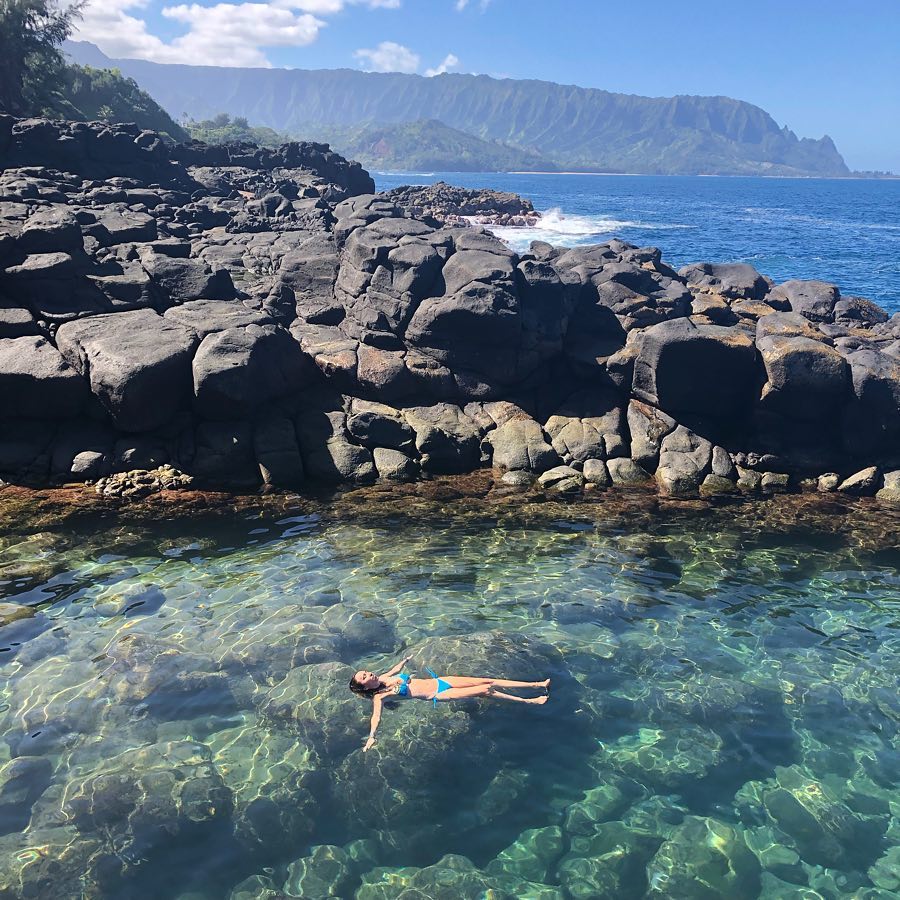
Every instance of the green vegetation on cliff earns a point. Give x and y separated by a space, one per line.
107 95
35 79
31 32
222 129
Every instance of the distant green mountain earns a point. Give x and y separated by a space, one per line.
573 127
427 145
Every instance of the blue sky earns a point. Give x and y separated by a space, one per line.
818 66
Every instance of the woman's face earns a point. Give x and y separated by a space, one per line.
367 680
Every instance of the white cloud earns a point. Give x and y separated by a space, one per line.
389 56
236 32
462 4
451 61
225 34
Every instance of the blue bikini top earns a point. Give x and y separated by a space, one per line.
403 687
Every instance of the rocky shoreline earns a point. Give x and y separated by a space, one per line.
261 318
444 204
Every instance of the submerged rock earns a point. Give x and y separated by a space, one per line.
666 757
704 857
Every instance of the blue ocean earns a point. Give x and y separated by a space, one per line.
844 231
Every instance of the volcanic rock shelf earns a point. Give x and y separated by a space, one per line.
252 316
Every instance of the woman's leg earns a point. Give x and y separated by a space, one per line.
500 682
501 696
458 681
463 693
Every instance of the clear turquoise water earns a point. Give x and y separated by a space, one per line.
846 231
724 719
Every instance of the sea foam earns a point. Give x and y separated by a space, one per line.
555 227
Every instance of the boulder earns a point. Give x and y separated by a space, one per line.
517 478
890 493
736 281
749 481
788 324
45 267
16 322
596 473
722 464
589 424
857 311
394 465
815 300
125 286
81 449
139 452
204 317
182 280
238 370
862 483
50 229
872 420
648 427
447 440
328 455
805 378
547 298
774 482
89 465
378 425
684 462
704 370
36 382
114 226
594 334
563 479
521 443
138 365
714 484
626 472
828 483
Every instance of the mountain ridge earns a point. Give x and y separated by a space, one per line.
577 128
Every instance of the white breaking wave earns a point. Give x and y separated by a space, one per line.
563 230
403 175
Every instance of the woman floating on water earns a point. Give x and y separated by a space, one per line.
450 687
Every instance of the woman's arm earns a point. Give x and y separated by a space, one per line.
377 700
398 668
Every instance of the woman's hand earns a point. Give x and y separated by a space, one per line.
369 744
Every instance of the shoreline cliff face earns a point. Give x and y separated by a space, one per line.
250 316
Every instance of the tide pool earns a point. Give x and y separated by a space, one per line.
724 718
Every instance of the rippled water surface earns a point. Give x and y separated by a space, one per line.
846 231
723 720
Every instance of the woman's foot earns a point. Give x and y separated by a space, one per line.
539 700
543 684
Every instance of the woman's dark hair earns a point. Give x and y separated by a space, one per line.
357 688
